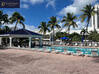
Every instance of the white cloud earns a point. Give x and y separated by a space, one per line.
36 1
25 6
81 25
26 3
32 1
32 28
76 6
28 27
51 3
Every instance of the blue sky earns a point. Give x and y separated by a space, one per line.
36 11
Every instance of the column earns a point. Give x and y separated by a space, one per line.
96 24
30 41
40 41
10 41
92 24
0 40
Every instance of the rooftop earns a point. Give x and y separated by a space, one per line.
22 32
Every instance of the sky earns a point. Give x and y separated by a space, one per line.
36 11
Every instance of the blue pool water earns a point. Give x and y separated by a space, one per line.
85 51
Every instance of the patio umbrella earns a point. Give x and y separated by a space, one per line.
64 38
82 39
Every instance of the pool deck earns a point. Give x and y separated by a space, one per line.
18 61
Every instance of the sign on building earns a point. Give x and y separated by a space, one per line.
9 3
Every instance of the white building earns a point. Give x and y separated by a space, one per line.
95 19
94 22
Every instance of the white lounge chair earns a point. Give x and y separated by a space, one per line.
96 45
76 44
90 44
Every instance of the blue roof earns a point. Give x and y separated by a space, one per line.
23 32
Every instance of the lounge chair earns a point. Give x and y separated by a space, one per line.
88 52
75 53
59 50
82 52
96 45
70 51
78 52
76 44
98 52
40 49
94 52
48 50
90 44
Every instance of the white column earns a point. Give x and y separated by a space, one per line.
0 40
92 24
96 24
40 41
30 41
10 41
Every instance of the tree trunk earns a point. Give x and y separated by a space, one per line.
68 29
53 37
86 33
22 25
15 25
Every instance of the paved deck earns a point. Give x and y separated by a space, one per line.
14 61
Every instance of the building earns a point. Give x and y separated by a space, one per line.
94 22
95 19
11 38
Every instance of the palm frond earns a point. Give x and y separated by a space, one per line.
69 20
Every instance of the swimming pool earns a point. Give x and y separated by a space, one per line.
76 50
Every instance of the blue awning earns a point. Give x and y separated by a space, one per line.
63 38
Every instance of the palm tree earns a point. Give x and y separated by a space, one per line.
85 35
93 36
18 19
3 18
43 28
69 21
84 32
6 29
88 11
53 23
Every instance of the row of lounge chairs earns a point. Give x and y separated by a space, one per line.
71 51
86 44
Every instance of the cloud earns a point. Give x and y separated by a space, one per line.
76 7
25 6
28 27
32 28
81 25
50 3
36 1
32 1
26 3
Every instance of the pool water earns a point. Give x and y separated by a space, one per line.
74 50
